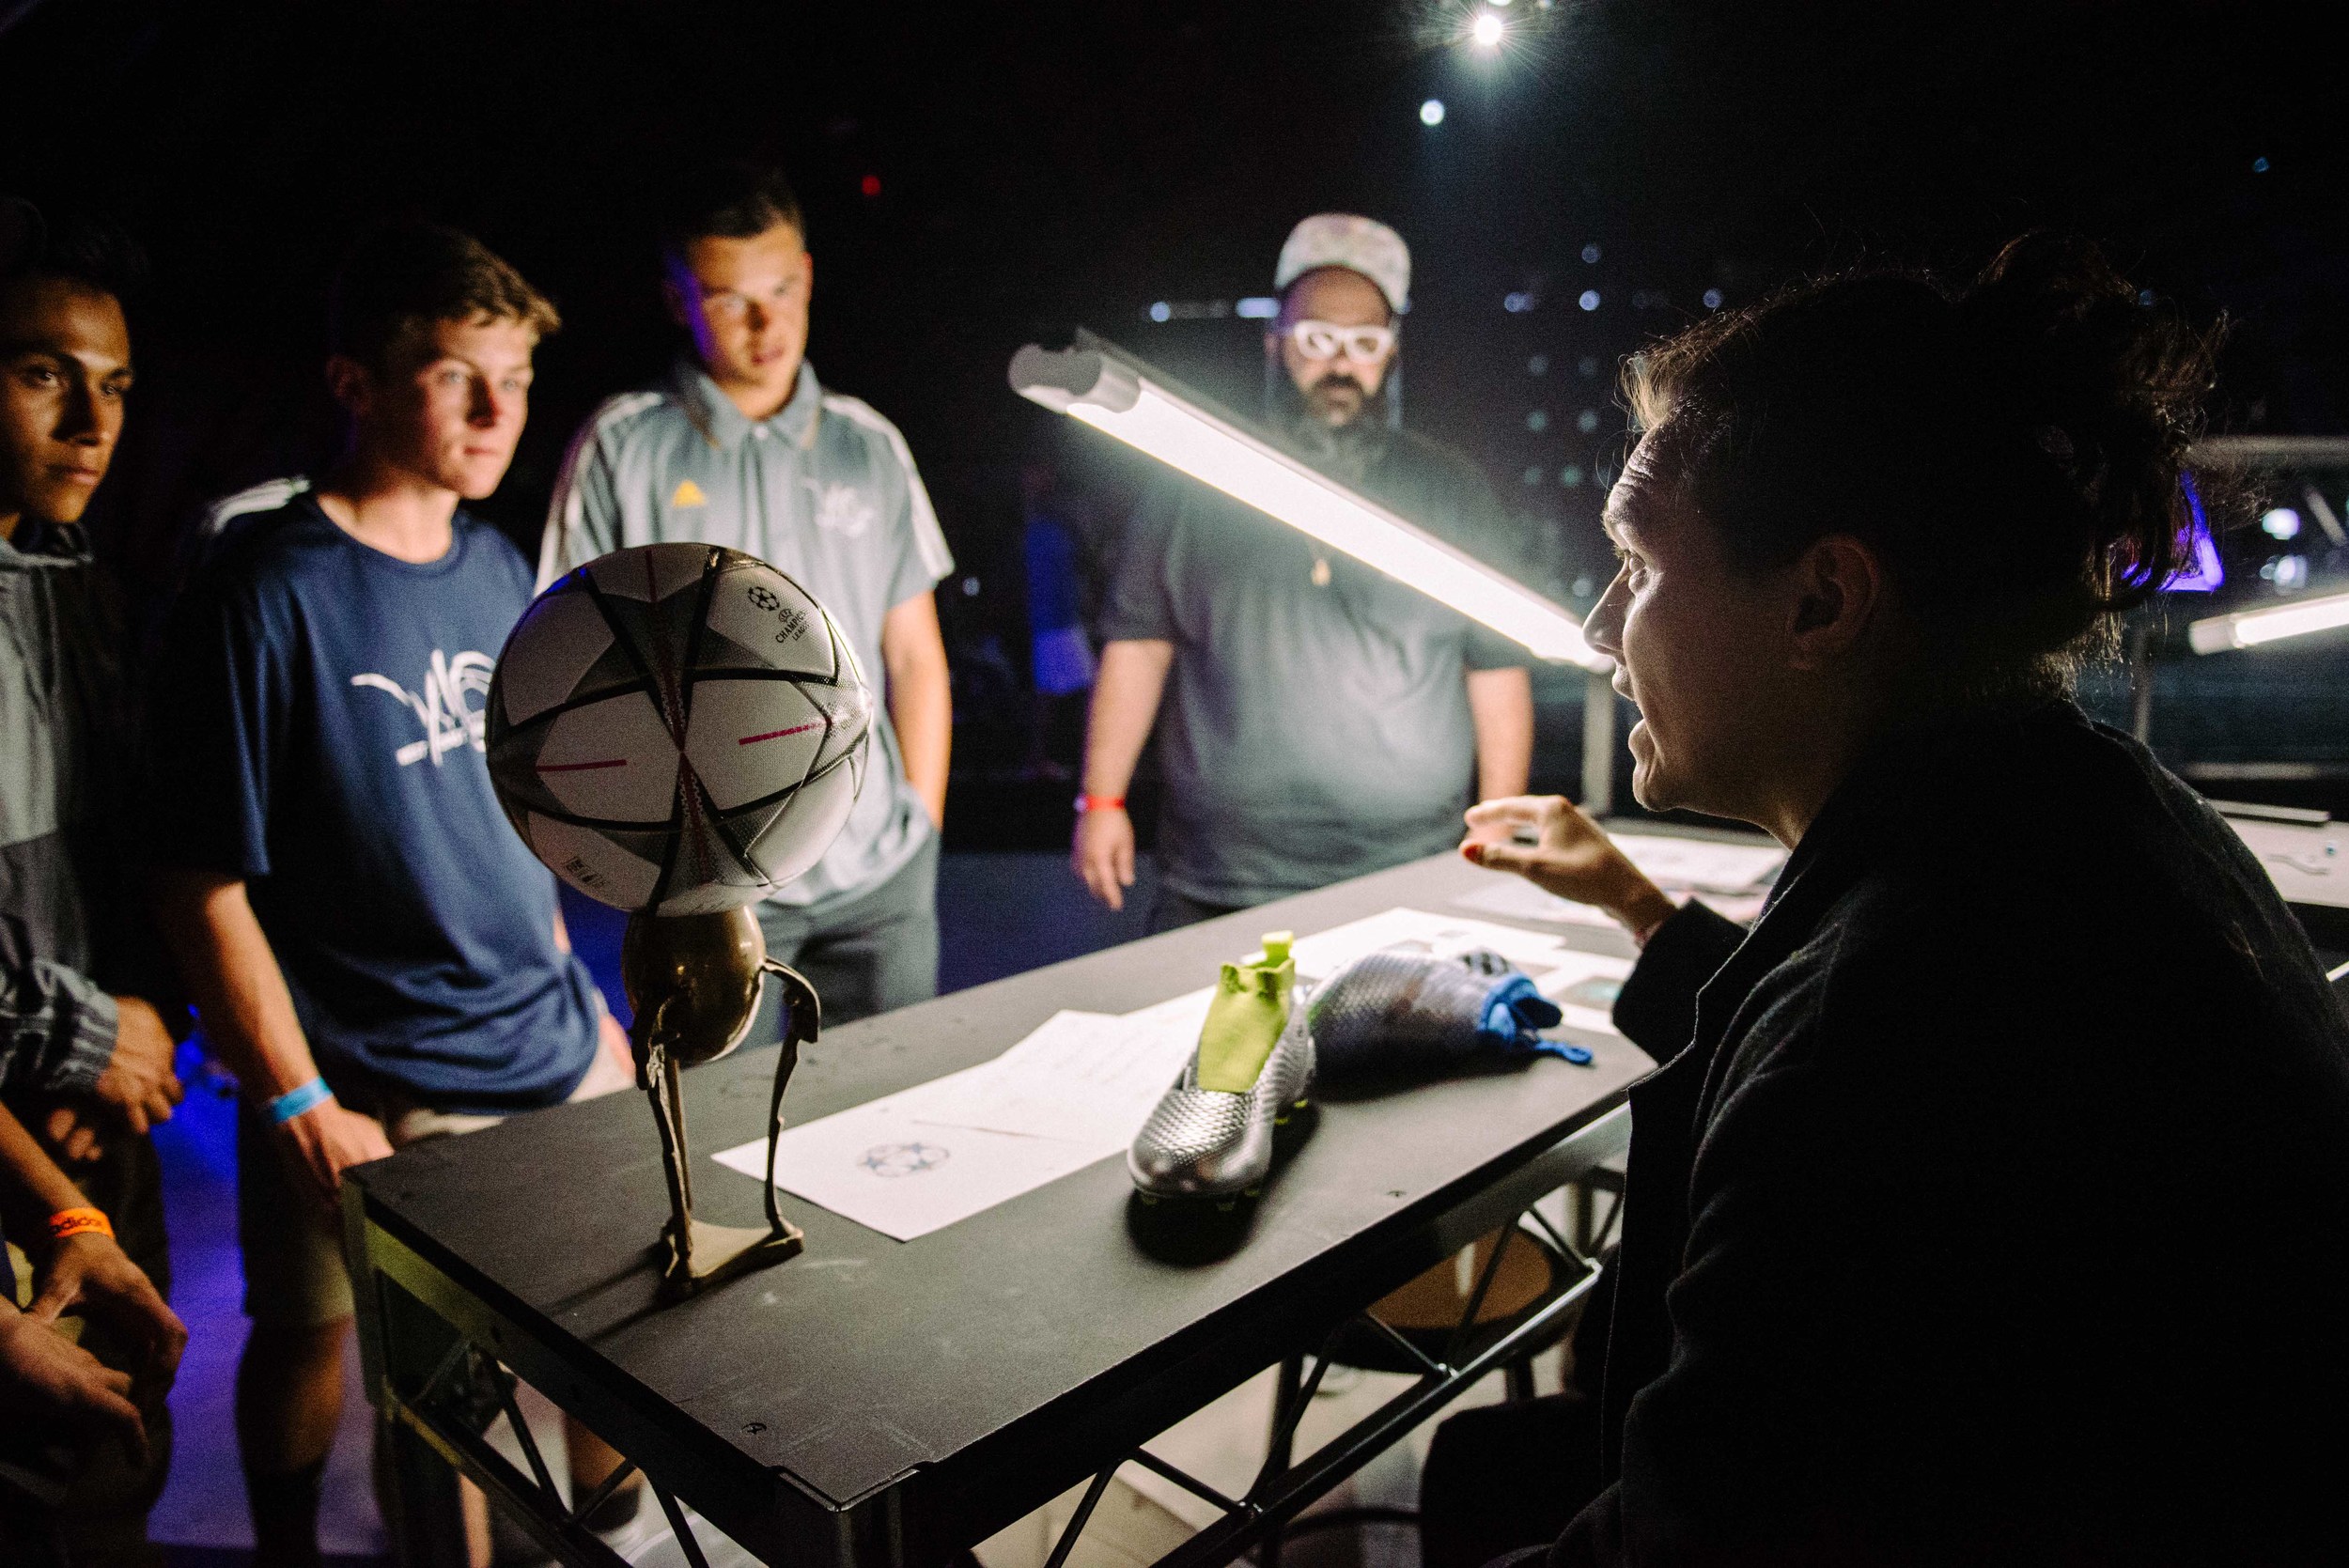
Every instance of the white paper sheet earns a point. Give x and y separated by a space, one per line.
1583 985
1077 1089
1088 1078
882 1168
1518 899
1323 953
1701 864
2309 861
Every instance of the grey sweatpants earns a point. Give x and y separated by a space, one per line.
864 956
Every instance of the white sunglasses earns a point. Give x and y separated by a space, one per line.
1328 340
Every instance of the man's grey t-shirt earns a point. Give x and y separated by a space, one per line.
1315 724
826 491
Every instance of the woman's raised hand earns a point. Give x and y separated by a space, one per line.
1547 840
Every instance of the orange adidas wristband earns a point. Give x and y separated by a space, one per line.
67 1223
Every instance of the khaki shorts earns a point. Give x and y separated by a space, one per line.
294 1273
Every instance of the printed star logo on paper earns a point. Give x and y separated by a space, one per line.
688 494
891 1161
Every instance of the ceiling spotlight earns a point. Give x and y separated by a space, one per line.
1487 30
1431 112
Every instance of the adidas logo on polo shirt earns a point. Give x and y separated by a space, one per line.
688 494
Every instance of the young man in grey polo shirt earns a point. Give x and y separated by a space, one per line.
739 446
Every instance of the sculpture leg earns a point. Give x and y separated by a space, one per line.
659 1080
677 1120
802 1015
701 1253
694 981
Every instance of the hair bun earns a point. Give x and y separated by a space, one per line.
2014 447
2070 348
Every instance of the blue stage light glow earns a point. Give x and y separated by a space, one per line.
1431 112
2206 573
1588 300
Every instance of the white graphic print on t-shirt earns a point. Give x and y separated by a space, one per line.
449 719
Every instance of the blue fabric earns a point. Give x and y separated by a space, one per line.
1515 1016
1051 550
316 731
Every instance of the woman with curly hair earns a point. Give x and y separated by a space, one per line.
1989 1203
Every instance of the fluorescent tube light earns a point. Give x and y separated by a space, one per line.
1123 398
2247 629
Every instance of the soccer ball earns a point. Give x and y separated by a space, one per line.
678 729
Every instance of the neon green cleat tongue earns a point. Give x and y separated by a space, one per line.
1245 1020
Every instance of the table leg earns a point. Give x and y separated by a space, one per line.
1287 1389
422 1514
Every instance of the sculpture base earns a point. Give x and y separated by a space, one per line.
719 1252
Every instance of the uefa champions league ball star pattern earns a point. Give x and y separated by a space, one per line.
678 729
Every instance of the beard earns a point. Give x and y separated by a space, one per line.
1336 399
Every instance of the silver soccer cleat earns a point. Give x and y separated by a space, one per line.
1208 1143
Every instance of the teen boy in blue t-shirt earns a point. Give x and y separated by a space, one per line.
372 949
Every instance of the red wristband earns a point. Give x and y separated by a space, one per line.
66 1223
1100 802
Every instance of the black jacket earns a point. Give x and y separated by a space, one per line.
1991 1202
70 936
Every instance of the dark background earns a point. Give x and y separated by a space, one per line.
977 176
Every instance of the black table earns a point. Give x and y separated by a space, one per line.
874 1403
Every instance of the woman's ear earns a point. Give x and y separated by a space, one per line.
1841 591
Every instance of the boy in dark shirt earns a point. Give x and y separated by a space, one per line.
372 949
84 1051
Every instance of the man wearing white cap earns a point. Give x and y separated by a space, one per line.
1321 719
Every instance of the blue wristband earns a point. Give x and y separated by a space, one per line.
294 1102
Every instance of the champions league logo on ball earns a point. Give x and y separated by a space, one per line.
678 730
